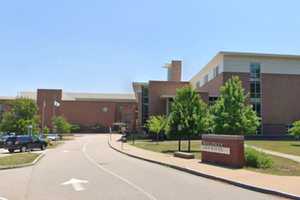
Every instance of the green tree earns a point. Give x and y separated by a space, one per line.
61 125
189 115
157 124
231 114
46 130
295 130
22 114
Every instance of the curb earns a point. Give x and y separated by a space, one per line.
24 165
217 178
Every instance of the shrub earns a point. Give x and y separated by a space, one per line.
257 159
46 130
75 128
295 130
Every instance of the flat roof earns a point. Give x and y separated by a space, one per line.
233 53
77 96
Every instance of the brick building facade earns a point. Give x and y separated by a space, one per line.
272 82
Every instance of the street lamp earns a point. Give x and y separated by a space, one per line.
29 130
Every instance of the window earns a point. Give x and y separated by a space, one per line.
205 79
255 89
145 104
198 84
216 71
105 109
254 70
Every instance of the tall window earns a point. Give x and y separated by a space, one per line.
205 79
145 104
255 88
216 71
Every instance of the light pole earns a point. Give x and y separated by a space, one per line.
29 130
179 128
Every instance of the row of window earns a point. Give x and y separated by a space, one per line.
205 79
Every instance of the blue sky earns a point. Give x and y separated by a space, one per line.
102 46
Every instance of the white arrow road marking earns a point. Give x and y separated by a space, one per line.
2 198
76 184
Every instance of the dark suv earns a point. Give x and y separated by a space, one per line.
24 143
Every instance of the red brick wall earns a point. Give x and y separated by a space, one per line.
49 111
86 113
236 157
157 105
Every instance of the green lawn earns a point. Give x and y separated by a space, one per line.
289 147
168 147
18 159
281 166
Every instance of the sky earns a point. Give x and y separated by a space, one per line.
103 46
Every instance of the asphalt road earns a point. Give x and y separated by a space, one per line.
87 169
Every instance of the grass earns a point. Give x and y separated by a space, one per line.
288 147
169 147
18 159
281 166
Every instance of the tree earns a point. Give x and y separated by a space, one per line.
61 125
295 130
22 114
188 115
231 114
46 130
157 124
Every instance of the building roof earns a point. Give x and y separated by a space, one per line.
6 98
229 53
76 96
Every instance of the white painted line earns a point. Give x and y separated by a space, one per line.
116 175
76 184
2 198
66 151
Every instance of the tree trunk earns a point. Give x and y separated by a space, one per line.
179 143
189 144
157 137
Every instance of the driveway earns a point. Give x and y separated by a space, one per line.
86 168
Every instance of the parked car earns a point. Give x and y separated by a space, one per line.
24 143
53 137
3 138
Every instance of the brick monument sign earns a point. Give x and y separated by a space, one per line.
225 150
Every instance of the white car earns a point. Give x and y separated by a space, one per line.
53 137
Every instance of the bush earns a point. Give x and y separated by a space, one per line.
46 130
257 159
295 130
75 128
61 125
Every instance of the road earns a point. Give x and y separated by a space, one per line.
87 169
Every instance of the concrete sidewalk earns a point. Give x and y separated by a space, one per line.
287 186
275 153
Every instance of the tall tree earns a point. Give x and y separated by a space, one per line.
188 115
231 114
23 113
